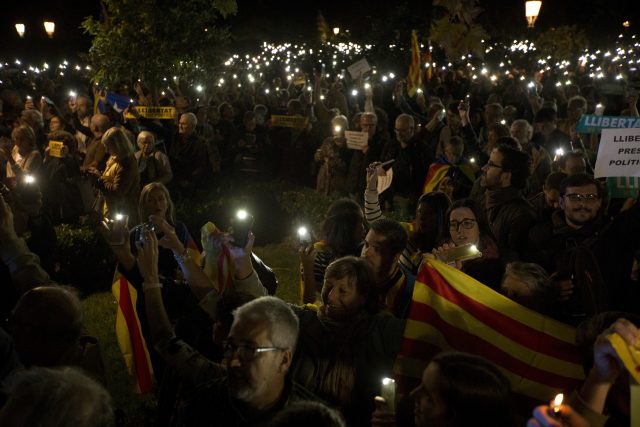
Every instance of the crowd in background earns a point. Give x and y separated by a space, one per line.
500 166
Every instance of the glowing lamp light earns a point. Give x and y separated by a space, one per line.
337 129
199 88
354 92
559 152
626 24
50 28
29 179
242 214
336 31
532 10
20 28
119 217
72 94
472 160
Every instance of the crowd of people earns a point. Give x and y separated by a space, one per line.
494 179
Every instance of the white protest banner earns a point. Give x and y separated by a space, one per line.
619 153
358 68
356 140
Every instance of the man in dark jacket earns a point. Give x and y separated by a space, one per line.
582 246
510 215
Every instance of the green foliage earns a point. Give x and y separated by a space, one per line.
151 39
561 42
456 32
83 258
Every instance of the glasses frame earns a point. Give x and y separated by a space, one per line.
575 197
459 224
229 350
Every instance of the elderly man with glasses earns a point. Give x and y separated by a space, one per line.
252 384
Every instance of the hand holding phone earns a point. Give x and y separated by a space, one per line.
459 253
241 225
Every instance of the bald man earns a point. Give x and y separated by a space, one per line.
96 156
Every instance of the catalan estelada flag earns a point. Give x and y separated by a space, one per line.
216 259
440 170
452 311
129 335
414 79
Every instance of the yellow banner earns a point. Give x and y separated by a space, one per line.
55 148
296 122
154 112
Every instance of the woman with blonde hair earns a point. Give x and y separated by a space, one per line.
119 184
24 157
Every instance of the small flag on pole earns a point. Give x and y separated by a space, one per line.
414 79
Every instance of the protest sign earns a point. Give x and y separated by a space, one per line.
295 122
619 153
356 140
623 187
55 148
592 123
358 68
384 181
162 113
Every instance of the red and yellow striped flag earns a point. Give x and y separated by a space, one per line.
426 58
452 311
414 79
129 335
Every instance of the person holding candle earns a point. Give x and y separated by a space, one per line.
456 389
333 157
606 387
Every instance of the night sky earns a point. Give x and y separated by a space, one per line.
259 20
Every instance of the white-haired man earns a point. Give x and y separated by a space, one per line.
153 164
188 154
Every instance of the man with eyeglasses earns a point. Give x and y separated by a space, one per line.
509 214
251 384
258 353
590 256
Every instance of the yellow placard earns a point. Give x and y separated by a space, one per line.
296 122
55 148
630 355
154 112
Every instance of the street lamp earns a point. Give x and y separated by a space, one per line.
50 28
20 29
532 9
336 30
